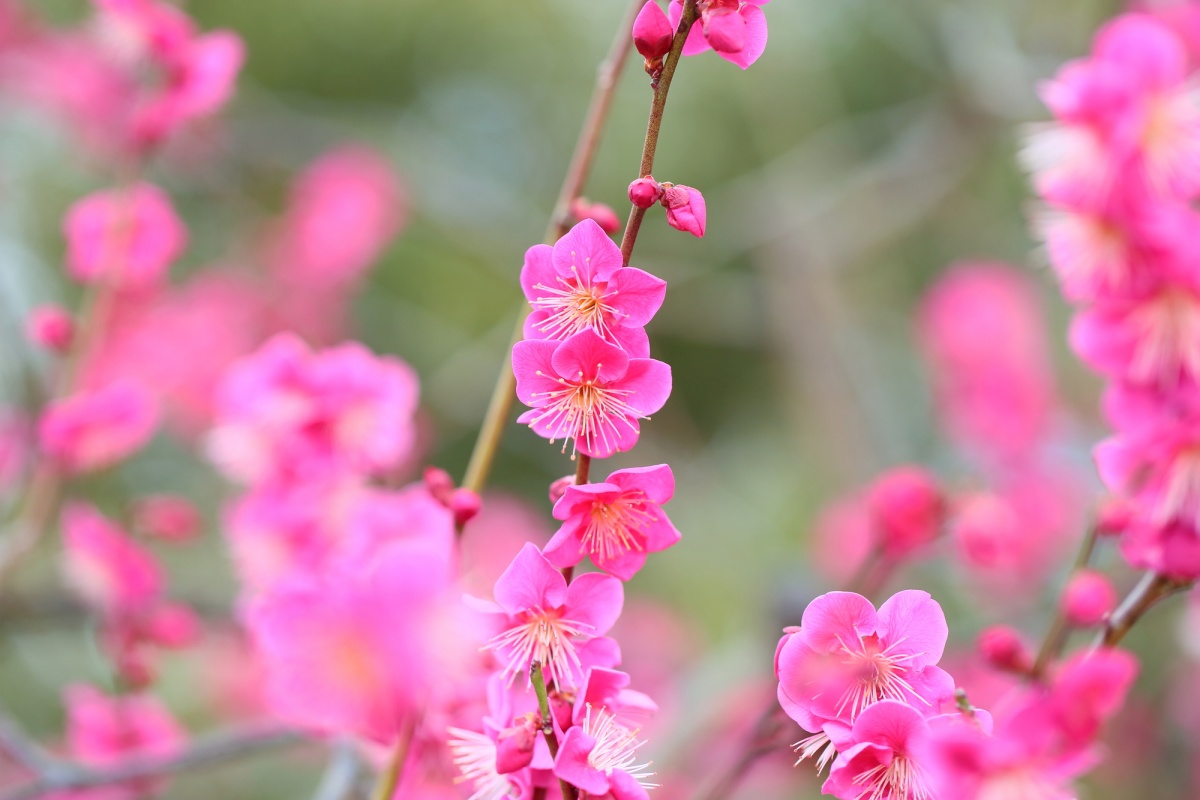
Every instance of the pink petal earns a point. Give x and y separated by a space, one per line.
572 763
530 581
725 30
565 549
660 534
639 295
625 787
696 43
633 340
624 566
586 356
835 616
534 370
595 600
658 482
756 38
917 619
587 250
649 382
888 722
1144 48
538 268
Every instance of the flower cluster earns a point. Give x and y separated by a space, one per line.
1119 171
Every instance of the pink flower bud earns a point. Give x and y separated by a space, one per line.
51 327
465 504
135 671
559 487
1114 516
561 708
1088 598
174 626
645 192
652 32
1004 648
907 508
599 213
166 517
440 484
514 746
724 28
685 208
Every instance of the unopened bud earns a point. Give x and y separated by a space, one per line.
908 509
166 517
1004 648
50 327
599 213
559 487
645 192
465 504
652 32
174 626
439 483
685 208
1114 516
1088 598
514 745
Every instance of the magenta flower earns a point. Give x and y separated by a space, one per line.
735 29
686 210
881 763
579 285
845 657
129 237
652 32
539 617
90 430
51 327
617 522
600 757
105 567
588 391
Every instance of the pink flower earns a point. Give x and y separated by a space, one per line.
908 509
881 763
652 32
588 391
685 207
541 618
601 214
579 285
735 29
287 412
200 77
1088 598
51 327
343 211
167 517
103 565
127 236
846 657
616 523
361 649
90 430
600 757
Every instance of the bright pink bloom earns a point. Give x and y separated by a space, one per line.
201 74
579 285
477 758
127 236
735 29
846 657
908 509
616 523
881 763
103 731
287 412
51 327
601 214
645 192
600 757
167 517
1003 647
90 430
1171 549
343 211
608 689
173 625
539 617
1088 598
652 33
104 566
588 391
362 649
685 207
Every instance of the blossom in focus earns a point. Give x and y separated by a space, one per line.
579 285
600 757
686 210
93 429
616 523
881 762
127 236
588 391
735 29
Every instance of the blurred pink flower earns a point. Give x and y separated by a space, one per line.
93 429
105 567
127 236
735 29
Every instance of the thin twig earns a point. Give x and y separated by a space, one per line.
342 772
389 779
212 749
22 749
538 680
1056 637
1149 591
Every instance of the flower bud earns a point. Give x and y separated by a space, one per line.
51 327
514 745
559 487
465 504
174 626
645 192
599 213
1004 648
1114 516
1088 598
166 517
652 32
439 483
685 208
908 509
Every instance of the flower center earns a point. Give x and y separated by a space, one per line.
542 636
615 528
879 674
587 410
1168 329
900 779
475 756
575 304
616 747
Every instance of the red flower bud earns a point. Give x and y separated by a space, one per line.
599 213
645 192
51 327
1088 598
1004 648
652 32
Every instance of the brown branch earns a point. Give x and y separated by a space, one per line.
1151 589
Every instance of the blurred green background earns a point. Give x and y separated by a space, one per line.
872 145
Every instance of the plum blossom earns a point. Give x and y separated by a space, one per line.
127 236
579 285
735 29
94 429
588 391
881 763
105 567
616 523
686 210
600 757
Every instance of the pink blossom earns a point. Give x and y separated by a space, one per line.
539 617
361 649
608 689
1088 598
343 211
200 78
95 429
881 763
616 523
645 192
167 517
1003 647
51 327
735 29
1171 549
287 412
127 236
601 214
685 207
908 509
846 657
600 757
105 567
652 32
588 391
579 285
476 756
